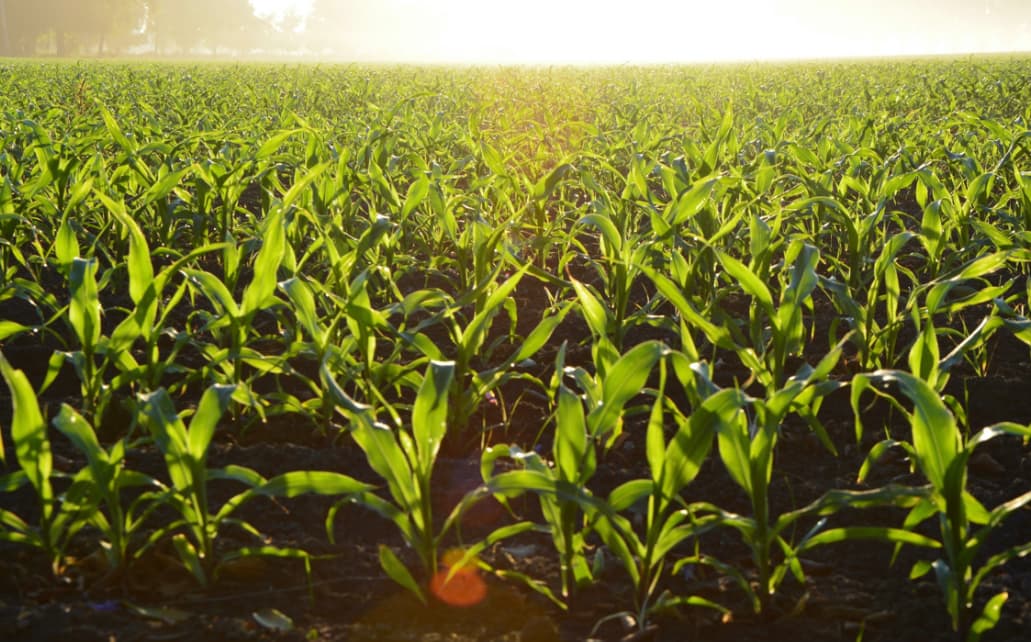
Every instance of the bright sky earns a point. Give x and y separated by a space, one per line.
644 31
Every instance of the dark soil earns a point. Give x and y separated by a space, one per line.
852 591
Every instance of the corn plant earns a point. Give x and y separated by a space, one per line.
622 254
185 450
97 353
119 525
669 520
875 336
579 438
61 515
941 454
473 382
746 447
230 325
775 333
405 459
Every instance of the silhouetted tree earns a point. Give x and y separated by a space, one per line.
186 25
93 26
25 23
68 26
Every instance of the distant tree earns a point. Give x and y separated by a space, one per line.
233 25
175 24
24 23
333 24
97 26
186 25
68 26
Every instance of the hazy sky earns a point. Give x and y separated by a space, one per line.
615 31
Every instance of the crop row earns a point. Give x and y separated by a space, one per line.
390 255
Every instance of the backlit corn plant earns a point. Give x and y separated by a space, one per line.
194 533
669 521
61 514
405 459
747 432
580 438
940 452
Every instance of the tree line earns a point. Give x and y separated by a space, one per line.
115 27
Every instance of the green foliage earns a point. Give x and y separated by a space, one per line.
412 258
941 454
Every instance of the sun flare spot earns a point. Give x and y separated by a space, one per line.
459 586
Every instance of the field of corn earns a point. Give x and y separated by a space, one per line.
698 353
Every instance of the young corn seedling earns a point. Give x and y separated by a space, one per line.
62 515
669 521
472 382
579 437
941 454
185 450
746 446
405 459
231 323
874 335
118 524
775 333
97 353
622 254
747 430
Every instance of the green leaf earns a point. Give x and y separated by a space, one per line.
115 130
936 436
924 355
215 290
717 334
272 145
29 433
629 493
690 445
546 186
747 280
190 559
882 534
417 193
170 435
303 304
624 380
318 482
66 246
692 201
9 328
429 414
539 336
266 264
386 457
81 434
608 230
212 406
84 308
988 618
397 571
921 568
138 265
654 437
724 411
473 334
302 184
570 448
593 311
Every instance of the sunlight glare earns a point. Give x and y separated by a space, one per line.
659 31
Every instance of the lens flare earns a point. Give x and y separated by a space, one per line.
455 585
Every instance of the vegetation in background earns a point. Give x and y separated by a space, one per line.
692 257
